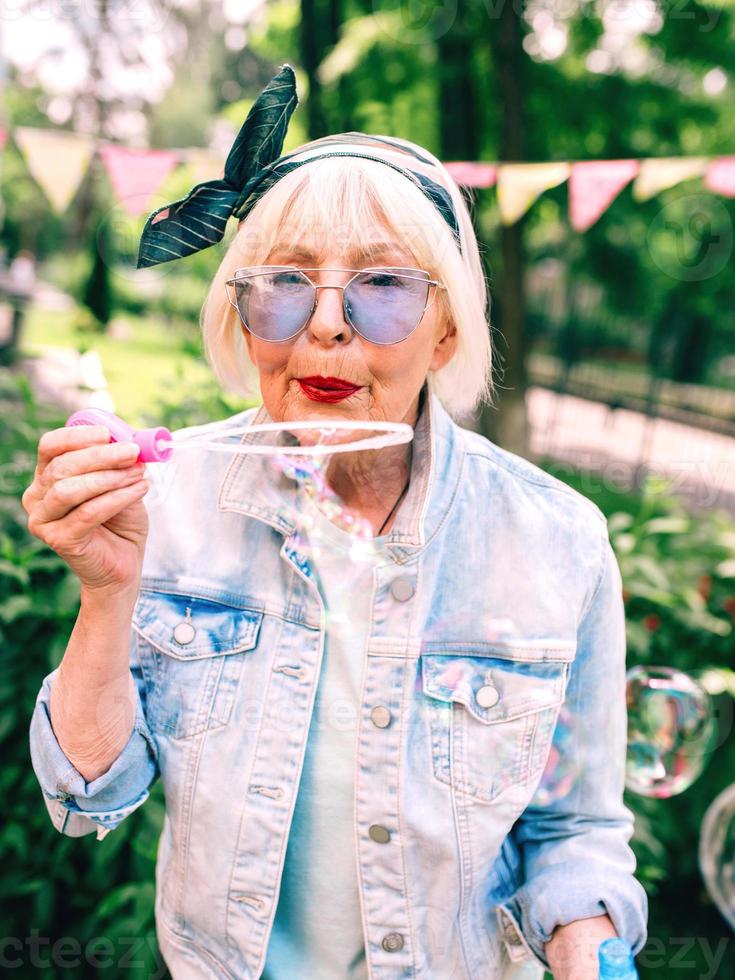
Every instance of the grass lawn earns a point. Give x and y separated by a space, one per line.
151 364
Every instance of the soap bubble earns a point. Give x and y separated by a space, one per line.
561 771
717 852
314 503
671 731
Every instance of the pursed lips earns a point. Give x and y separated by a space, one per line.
328 383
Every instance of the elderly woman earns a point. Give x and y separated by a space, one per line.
405 767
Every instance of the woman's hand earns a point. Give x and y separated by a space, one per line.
572 949
86 504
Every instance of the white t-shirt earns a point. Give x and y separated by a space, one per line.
317 933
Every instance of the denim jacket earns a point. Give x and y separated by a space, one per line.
496 606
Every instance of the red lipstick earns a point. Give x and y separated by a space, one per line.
330 390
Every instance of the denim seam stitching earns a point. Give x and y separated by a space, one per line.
528 478
603 566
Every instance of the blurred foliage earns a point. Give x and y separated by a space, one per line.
679 581
90 897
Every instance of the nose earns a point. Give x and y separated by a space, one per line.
328 324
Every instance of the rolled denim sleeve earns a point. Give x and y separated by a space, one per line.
575 849
77 807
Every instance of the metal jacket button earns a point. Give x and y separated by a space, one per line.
380 716
184 633
392 942
402 589
487 696
379 834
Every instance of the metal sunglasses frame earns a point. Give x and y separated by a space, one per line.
268 269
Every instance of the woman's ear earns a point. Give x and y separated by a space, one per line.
445 347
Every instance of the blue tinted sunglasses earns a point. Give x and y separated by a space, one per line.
383 305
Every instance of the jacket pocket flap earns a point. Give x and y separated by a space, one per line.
494 689
189 627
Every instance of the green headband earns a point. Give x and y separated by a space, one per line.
253 165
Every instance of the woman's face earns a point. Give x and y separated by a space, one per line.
390 376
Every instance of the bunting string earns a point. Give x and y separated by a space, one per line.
58 161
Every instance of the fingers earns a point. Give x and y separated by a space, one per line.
67 534
64 495
57 441
116 455
70 535
71 450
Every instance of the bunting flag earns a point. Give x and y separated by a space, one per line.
593 186
56 159
137 174
659 173
720 176
471 174
519 184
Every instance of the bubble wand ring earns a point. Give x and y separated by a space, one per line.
157 444
392 434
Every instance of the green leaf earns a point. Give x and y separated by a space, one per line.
667 525
9 570
15 606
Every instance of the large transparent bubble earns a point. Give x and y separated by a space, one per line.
717 852
671 730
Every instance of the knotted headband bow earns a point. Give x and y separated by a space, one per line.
253 165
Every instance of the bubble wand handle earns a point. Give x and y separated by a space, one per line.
156 444
615 958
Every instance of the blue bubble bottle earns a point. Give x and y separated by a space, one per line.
616 961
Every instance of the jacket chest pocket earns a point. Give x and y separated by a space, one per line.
192 652
492 718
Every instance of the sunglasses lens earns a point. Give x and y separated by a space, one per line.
386 305
274 305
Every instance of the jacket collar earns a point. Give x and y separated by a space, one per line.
438 455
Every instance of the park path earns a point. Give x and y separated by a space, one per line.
617 444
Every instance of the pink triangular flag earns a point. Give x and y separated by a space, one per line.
471 174
137 174
593 185
720 176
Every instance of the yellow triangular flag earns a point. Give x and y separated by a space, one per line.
659 173
56 159
519 184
